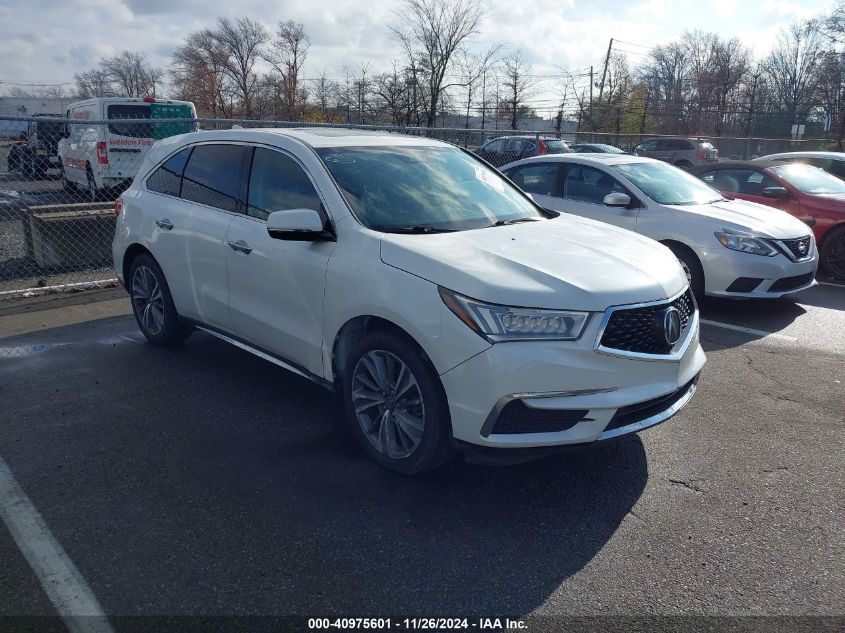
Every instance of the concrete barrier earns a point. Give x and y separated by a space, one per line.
70 236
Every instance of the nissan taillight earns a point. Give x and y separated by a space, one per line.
118 207
102 156
544 149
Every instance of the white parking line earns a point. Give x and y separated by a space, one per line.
64 585
748 330
830 283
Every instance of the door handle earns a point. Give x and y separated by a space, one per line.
165 224
240 246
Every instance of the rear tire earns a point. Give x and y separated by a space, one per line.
683 164
395 404
67 185
833 254
152 303
692 268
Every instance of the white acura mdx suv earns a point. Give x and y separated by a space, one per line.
445 305
728 248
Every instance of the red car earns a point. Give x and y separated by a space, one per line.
809 193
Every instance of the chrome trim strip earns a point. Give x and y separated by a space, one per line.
653 420
487 427
680 347
268 357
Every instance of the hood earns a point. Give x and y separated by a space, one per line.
751 217
565 263
831 201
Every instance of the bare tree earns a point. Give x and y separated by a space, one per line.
286 55
791 68
240 43
325 90
196 73
131 74
432 32
93 83
517 85
473 70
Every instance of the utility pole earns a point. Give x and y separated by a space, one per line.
591 100
645 112
751 118
604 72
483 97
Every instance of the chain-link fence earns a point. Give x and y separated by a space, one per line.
59 179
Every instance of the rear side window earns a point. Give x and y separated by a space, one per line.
167 179
214 175
277 183
135 129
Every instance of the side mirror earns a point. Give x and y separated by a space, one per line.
617 199
299 225
776 192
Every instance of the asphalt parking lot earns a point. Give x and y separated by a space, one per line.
205 481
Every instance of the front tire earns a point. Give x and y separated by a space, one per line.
833 254
692 268
152 303
396 405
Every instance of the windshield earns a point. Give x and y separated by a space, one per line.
419 188
666 184
809 179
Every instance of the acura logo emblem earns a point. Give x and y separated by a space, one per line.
671 322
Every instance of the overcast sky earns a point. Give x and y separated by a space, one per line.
47 41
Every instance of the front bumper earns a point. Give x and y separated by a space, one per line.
562 378
723 267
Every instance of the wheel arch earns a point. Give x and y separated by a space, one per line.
354 329
673 244
129 255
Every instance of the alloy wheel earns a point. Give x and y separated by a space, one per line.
388 404
148 300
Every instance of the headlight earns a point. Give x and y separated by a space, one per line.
745 243
504 323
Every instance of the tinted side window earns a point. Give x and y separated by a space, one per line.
648 146
213 175
589 185
537 178
495 145
168 178
681 144
837 168
276 183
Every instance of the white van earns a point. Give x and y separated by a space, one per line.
101 157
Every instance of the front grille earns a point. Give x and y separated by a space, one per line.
516 417
800 248
643 410
637 329
791 283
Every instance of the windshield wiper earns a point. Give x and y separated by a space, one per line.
513 221
422 228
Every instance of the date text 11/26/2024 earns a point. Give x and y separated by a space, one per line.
417 624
